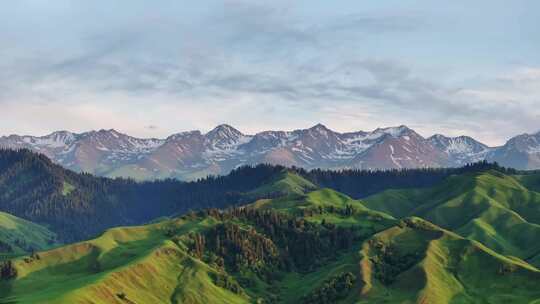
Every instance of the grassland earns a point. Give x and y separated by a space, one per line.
489 207
475 243
284 184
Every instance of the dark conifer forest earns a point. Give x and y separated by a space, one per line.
79 205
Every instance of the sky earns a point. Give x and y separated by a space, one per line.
153 68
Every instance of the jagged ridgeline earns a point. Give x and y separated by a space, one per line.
80 206
307 244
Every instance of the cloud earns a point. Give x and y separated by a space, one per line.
251 64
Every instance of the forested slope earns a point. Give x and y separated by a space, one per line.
79 206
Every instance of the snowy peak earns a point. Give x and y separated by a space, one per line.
394 131
398 147
461 149
224 137
64 137
528 143
59 139
114 141
193 154
184 135
320 129
520 152
460 144
224 131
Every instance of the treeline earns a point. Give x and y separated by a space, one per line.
362 183
32 187
7 270
332 289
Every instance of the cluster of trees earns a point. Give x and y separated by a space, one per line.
347 210
359 183
333 289
305 243
7 270
5 247
389 262
237 249
226 281
269 241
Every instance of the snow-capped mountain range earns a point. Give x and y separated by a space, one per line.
189 155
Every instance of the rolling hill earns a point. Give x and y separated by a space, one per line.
79 206
308 246
490 207
418 262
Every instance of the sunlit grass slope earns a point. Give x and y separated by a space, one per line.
413 261
284 184
418 262
124 265
490 207
394 261
309 206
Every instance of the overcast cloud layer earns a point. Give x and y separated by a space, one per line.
152 68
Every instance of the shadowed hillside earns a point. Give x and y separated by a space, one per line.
18 236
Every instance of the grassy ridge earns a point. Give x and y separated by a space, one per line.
138 264
438 266
490 207
284 184
394 261
142 265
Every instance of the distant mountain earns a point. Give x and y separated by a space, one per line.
460 150
191 155
520 152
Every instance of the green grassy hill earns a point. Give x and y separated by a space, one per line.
284 183
490 207
328 205
124 265
304 247
18 236
418 261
